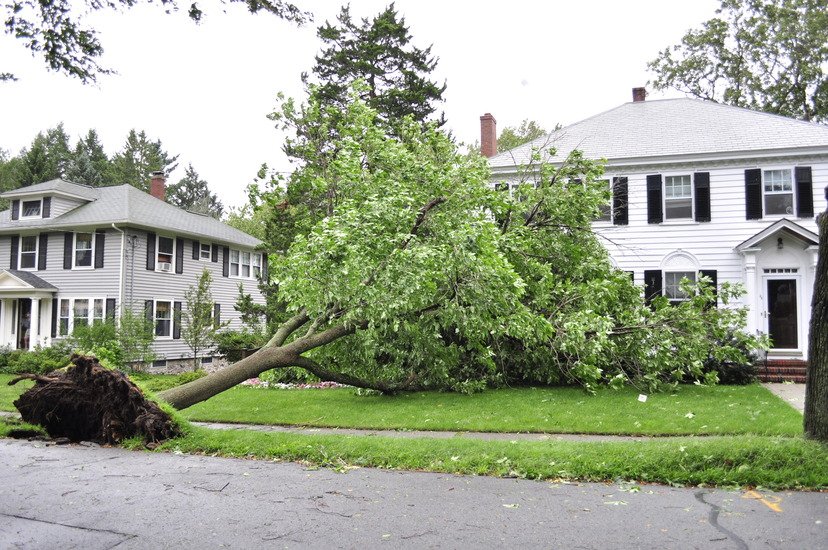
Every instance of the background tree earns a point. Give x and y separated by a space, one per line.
816 384
90 164
199 326
55 29
140 157
378 51
511 137
768 55
192 193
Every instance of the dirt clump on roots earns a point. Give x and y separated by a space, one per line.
87 402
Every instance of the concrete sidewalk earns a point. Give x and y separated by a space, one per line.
792 394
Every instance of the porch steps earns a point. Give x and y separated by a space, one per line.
782 370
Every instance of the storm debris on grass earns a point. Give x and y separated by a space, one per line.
87 402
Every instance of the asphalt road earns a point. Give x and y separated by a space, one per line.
95 498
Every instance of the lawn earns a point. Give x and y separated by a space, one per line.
692 410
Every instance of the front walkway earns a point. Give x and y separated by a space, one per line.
792 394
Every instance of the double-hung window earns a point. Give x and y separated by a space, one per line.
28 252
672 284
245 265
84 249
234 263
204 252
163 319
166 253
257 265
778 192
75 312
678 197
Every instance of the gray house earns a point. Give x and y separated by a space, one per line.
76 254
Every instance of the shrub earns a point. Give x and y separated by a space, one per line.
290 375
38 361
234 344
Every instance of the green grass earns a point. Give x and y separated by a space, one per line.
9 393
770 462
693 410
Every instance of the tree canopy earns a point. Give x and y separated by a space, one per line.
192 193
57 31
513 136
768 55
380 52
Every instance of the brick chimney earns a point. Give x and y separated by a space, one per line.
158 186
488 135
639 94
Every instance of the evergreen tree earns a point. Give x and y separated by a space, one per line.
139 158
35 163
380 52
90 146
58 152
192 193
81 170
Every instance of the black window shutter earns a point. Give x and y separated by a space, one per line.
652 284
68 243
620 195
632 275
265 268
110 309
15 243
41 251
701 184
804 192
753 194
714 277
54 316
214 253
654 214
151 251
216 315
196 250
176 320
225 261
100 245
47 207
149 313
179 255
15 210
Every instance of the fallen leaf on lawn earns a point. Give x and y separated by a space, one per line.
455 458
689 415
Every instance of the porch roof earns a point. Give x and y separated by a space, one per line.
14 281
782 226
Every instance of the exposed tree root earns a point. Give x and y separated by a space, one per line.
87 402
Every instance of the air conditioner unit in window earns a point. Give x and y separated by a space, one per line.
163 266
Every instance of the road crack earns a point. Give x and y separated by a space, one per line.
713 518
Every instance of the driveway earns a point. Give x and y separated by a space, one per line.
91 497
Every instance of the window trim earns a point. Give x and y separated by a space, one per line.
791 172
155 319
664 199
20 252
70 319
37 216
201 257
158 253
91 250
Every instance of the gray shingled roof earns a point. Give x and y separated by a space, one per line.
54 186
671 127
31 279
126 205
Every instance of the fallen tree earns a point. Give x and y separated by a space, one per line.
411 273
87 402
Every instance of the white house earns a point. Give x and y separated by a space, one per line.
700 187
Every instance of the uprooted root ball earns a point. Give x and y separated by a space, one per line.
87 402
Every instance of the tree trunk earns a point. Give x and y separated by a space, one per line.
816 385
204 388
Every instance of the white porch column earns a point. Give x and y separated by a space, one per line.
752 301
34 324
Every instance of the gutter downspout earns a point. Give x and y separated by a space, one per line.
120 274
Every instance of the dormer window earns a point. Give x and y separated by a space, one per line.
31 209
165 254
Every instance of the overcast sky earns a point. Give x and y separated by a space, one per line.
205 90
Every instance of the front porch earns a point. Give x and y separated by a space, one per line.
26 310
